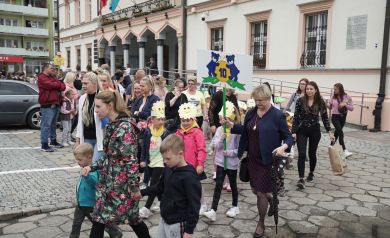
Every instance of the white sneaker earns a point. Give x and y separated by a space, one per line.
145 213
71 143
233 212
203 209
347 153
142 186
156 207
65 144
214 175
210 214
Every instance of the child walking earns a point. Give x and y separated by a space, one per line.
150 154
85 193
67 112
232 141
194 143
180 192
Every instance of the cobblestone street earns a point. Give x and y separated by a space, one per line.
357 204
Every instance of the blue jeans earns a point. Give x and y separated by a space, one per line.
48 124
96 154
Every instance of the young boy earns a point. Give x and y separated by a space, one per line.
85 193
180 192
150 152
67 112
194 142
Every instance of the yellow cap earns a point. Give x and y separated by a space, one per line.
187 111
158 109
230 113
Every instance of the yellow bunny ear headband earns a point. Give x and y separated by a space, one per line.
187 111
158 109
242 105
230 113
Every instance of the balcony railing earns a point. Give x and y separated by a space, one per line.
25 52
137 10
18 30
24 10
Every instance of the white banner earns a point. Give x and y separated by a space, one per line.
217 68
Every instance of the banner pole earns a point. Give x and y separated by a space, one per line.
224 126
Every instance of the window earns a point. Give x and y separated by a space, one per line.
217 39
259 43
78 12
78 56
67 15
68 58
35 45
88 16
34 24
8 22
9 43
6 1
89 56
314 54
55 9
34 66
8 88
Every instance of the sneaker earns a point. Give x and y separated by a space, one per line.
142 186
55 144
310 178
203 209
347 153
210 214
145 213
70 142
214 176
301 184
46 148
233 212
156 207
228 188
65 144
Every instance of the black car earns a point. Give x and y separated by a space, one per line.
19 104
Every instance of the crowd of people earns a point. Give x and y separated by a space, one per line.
135 139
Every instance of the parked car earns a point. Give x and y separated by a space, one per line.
19 104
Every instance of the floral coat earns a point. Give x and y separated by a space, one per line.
118 175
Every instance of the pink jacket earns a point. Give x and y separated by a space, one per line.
333 104
194 146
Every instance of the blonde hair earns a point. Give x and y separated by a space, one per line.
262 92
103 73
193 79
83 150
173 143
69 77
150 81
115 98
88 115
140 74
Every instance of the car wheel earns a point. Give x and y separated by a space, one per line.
34 119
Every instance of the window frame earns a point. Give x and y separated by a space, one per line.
212 26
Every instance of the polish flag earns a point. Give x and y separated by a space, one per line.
103 3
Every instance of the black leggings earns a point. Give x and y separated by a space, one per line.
155 178
314 135
74 123
232 175
199 120
338 122
141 230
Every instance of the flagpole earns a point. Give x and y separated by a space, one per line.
224 125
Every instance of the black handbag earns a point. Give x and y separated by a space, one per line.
244 170
343 111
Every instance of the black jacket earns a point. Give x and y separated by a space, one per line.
181 192
216 106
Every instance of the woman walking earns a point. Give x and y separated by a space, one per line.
173 101
306 127
297 94
117 193
262 135
197 98
339 104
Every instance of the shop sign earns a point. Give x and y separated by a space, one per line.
11 59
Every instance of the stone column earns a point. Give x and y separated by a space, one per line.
141 54
112 59
180 55
125 54
160 56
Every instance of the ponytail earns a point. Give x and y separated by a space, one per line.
115 98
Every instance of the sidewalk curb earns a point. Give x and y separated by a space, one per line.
11 215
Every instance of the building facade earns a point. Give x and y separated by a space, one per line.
26 35
132 34
328 41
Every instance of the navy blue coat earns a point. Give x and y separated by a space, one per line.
146 110
272 132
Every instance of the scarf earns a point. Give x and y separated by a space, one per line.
156 132
194 125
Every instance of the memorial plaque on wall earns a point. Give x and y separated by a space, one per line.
356 32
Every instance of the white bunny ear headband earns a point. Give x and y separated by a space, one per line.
187 111
230 113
